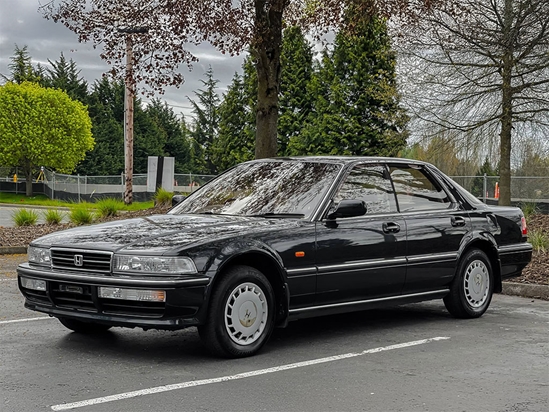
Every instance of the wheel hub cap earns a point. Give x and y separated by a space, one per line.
476 283
246 313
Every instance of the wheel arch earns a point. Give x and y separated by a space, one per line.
487 245
270 267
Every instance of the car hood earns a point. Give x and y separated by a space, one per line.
160 233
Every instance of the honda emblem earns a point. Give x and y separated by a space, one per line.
78 260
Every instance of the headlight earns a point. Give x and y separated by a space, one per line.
39 255
168 265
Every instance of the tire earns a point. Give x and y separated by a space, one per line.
472 288
84 327
241 314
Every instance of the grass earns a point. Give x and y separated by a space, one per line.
38 200
80 214
25 217
529 209
43 200
539 240
109 207
163 198
53 216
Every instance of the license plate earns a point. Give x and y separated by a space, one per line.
71 289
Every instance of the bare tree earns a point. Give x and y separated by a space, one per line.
483 69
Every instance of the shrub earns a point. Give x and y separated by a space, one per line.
109 207
163 198
529 209
81 215
53 216
539 240
25 217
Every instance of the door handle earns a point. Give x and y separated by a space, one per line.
391 227
457 221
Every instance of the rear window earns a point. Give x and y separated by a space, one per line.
415 190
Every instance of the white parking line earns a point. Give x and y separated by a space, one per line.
3 322
189 384
6 279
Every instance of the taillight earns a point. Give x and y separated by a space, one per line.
523 226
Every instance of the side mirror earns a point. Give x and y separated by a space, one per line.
348 208
176 199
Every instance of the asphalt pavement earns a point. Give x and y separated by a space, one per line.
411 358
7 211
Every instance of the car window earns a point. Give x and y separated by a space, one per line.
370 183
415 190
264 187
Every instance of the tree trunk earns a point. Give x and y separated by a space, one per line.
129 93
27 171
266 49
507 109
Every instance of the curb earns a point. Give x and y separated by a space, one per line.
13 250
526 290
29 206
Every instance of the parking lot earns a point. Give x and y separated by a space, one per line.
411 358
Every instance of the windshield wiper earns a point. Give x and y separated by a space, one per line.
280 215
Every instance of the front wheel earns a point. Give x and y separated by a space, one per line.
83 327
241 314
472 288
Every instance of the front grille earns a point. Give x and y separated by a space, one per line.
82 260
67 295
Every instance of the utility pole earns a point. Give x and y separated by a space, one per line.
129 96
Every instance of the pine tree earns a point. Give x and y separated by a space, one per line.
106 108
175 134
356 108
206 122
65 75
294 101
236 138
22 69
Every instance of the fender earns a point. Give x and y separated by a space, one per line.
489 246
248 251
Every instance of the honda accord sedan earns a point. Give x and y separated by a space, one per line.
275 240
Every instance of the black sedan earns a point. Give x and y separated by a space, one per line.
270 241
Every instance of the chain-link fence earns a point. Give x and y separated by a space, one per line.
523 188
77 188
90 188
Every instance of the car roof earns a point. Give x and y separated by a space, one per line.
342 159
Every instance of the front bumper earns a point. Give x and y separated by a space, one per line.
75 295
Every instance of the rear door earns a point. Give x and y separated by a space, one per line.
436 226
362 257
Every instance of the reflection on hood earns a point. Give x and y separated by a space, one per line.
159 233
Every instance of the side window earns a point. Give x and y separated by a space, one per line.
370 183
417 191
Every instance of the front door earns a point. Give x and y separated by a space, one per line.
362 257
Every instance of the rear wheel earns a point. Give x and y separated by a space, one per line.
241 314
83 327
472 288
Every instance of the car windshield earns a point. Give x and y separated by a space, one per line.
269 188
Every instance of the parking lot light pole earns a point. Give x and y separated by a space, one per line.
129 95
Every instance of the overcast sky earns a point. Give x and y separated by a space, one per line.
21 23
